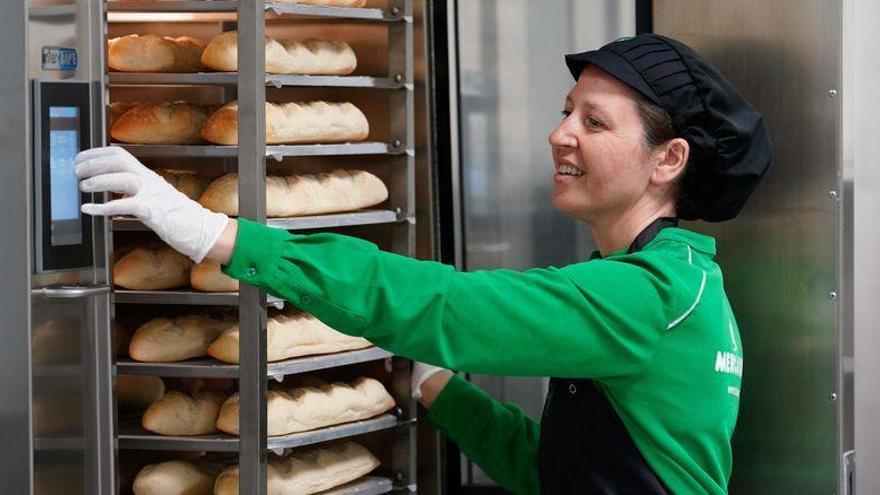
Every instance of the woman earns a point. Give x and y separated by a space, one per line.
641 342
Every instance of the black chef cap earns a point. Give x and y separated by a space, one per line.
730 146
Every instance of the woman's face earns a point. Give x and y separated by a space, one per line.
603 163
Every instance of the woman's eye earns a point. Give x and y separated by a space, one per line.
592 122
565 113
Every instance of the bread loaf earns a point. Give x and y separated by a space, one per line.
297 195
307 408
315 122
185 181
151 53
307 471
161 123
152 268
180 414
174 478
312 56
164 340
329 3
289 335
137 392
206 276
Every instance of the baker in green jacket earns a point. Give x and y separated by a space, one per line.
640 341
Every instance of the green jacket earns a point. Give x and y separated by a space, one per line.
653 329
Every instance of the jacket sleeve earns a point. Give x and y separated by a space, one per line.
498 437
590 320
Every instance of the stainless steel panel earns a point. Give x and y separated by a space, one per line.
781 256
861 156
16 459
252 205
512 85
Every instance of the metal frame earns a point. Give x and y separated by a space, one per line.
250 83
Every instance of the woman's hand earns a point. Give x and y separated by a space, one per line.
427 382
179 221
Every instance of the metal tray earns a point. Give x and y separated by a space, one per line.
189 297
132 436
276 152
231 79
277 8
211 368
368 485
363 217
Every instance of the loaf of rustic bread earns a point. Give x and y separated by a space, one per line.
175 477
289 335
304 408
137 392
291 123
207 277
297 195
312 56
307 471
161 123
151 53
152 268
164 340
180 414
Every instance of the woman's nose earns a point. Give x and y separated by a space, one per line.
562 136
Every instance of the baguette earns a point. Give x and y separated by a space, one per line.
137 392
306 408
164 340
297 195
207 277
151 53
312 56
185 181
148 268
315 122
288 336
161 123
174 478
307 471
180 414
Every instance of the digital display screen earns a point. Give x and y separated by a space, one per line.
64 144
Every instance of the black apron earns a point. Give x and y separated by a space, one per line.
584 446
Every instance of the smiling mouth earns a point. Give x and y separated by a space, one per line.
569 170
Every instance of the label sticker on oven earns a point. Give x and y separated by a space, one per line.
59 58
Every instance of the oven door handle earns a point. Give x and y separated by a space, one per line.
70 291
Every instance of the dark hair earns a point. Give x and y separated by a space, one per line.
658 130
657 122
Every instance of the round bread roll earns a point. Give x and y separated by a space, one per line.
148 268
151 53
185 415
312 56
137 392
291 123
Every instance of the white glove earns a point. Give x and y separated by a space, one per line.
179 221
420 374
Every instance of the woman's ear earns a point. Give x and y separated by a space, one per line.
673 158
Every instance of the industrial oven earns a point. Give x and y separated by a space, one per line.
66 430
459 97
